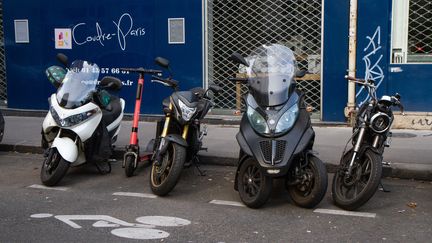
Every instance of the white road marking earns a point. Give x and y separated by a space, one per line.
108 220
229 203
345 213
41 215
163 221
36 186
134 194
140 233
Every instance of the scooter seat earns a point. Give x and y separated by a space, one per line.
112 110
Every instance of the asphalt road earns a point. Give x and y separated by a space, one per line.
88 207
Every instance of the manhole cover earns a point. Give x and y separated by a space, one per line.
403 135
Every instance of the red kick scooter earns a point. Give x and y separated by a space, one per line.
132 155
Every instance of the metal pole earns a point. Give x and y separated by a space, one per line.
349 110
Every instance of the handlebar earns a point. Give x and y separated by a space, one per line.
141 70
360 81
170 82
241 80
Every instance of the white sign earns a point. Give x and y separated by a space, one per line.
63 38
21 31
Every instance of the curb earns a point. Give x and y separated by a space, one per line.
394 170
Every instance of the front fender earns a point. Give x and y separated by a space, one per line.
67 148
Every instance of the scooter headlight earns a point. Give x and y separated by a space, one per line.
186 112
257 121
71 120
288 119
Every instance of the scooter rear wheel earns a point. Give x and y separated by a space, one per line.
313 185
53 168
253 185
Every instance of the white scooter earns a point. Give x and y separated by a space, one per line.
83 121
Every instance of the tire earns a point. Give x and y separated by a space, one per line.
53 168
129 165
367 179
310 191
164 178
253 185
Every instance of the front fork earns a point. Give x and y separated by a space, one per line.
163 144
356 150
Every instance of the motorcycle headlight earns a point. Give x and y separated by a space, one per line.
257 121
288 119
186 112
380 122
71 120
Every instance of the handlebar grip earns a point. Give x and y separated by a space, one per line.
242 80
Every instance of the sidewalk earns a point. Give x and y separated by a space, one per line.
410 154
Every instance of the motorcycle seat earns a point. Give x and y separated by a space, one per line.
112 111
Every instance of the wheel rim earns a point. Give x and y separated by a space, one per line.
252 181
307 181
161 172
51 162
350 187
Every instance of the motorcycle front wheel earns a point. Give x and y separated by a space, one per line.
312 186
254 187
53 168
164 177
352 191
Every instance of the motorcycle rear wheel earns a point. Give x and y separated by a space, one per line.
53 168
254 187
311 190
164 177
352 192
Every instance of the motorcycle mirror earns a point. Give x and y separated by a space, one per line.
237 58
215 88
398 96
162 62
63 59
301 73
55 75
112 83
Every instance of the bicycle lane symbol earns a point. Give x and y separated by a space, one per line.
145 229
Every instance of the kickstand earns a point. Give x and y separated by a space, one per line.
195 162
383 188
103 171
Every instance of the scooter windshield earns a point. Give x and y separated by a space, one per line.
78 85
271 71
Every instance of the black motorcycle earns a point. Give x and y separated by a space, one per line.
179 134
276 136
359 172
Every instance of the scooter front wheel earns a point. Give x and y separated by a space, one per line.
253 185
312 183
164 176
53 168
129 165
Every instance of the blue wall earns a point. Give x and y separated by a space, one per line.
28 87
335 59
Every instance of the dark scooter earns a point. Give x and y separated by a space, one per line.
276 136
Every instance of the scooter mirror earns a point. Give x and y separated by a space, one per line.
237 58
63 59
301 73
162 62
